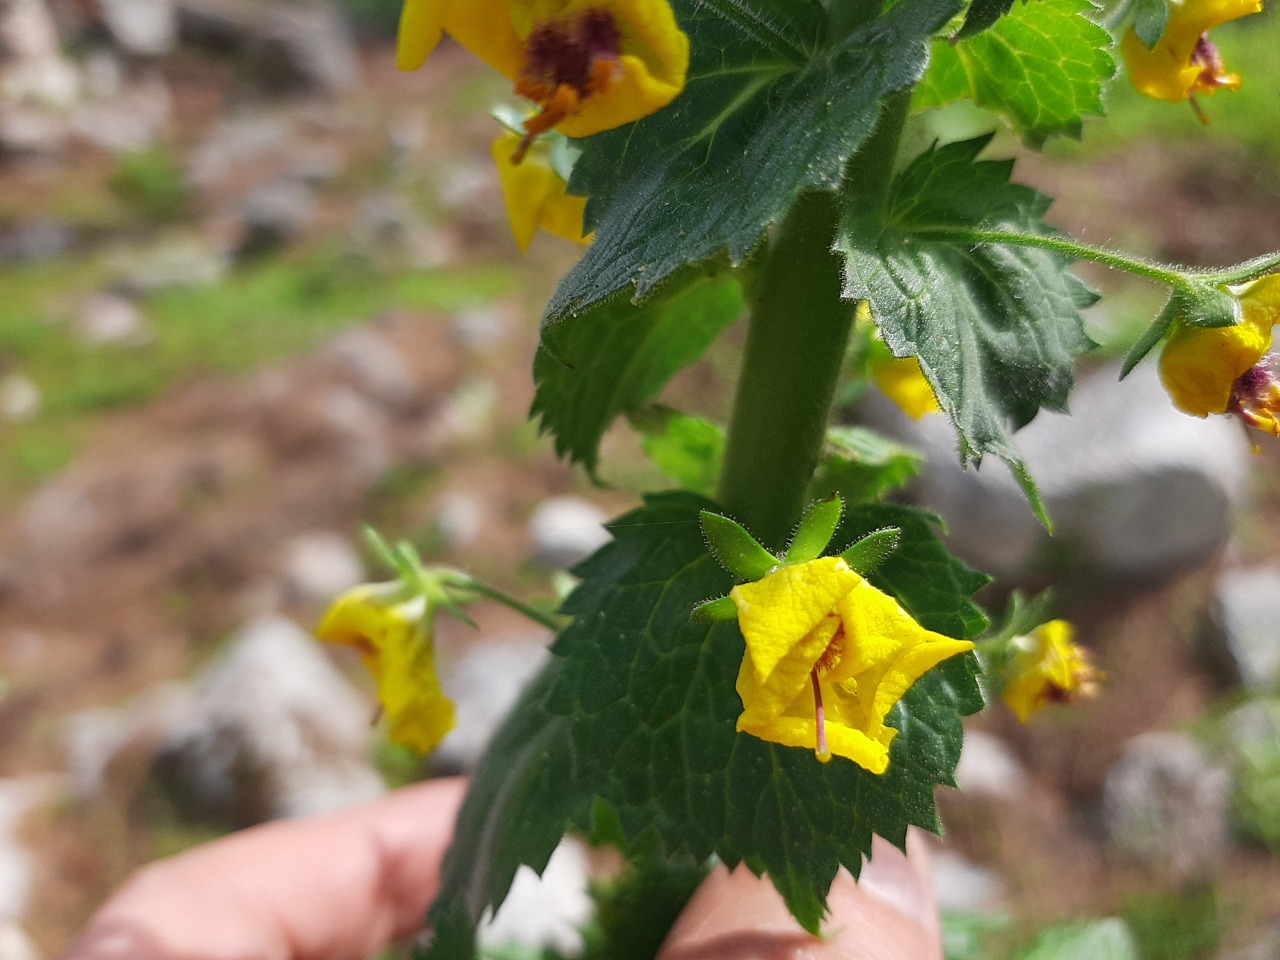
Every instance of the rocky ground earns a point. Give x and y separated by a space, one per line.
258 289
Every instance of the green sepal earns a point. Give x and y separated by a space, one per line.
720 610
815 530
1151 336
872 550
734 549
1202 305
1149 19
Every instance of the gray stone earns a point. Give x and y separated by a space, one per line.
1136 489
308 47
484 683
40 239
547 911
144 27
376 365
567 530
15 944
989 767
318 565
19 398
241 140
460 518
93 738
18 797
34 69
466 415
359 426
30 132
103 75
960 884
275 731
1244 632
132 120
274 214
487 326
1166 805
107 318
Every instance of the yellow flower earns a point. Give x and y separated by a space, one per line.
535 194
903 382
590 65
828 655
395 636
1184 62
1222 369
1048 667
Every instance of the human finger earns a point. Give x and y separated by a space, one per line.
889 914
322 888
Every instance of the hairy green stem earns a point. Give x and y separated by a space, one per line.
796 342
1180 278
466 582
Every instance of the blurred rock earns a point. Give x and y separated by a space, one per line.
466 416
487 326
318 163
274 214
32 133
240 140
376 366
18 797
106 318
143 27
14 942
1112 475
34 69
567 530
275 731
547 911
318 565
1255 722
93 738
19 398
307 47
39 239
989 767
485 681
178 262
1242 638
130 121
103 74
353 422
1166 805
460 518
963 885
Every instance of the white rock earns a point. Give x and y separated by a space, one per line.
1167 805
145 27
360 425
34 67
484 683
19 398
275 213
276 731
239 140
567 530
106 318
467 415
15 944
545 911
988 767
17 798
460 518
131 121
377 366
962 885
485 326
1114 474
318 565
1246 616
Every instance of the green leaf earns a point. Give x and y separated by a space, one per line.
860 464
638 710
772 107
1042 68
1149 19
815 530
687 449
652 700
616 357
872 550
637 909
1152 335
734 548
996 327
1108 939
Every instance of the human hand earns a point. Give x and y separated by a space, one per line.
343 886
